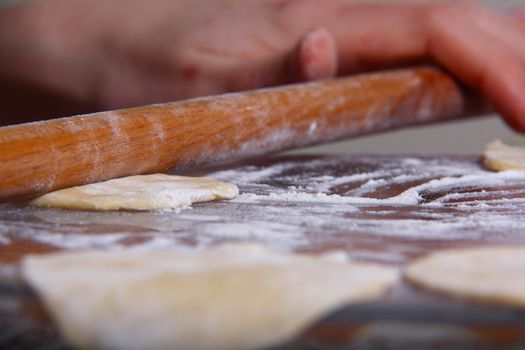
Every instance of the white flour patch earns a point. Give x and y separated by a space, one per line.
77 241
312 128
273 234
156 242
251 174
4 240
446 198
293 196
299 203
448 184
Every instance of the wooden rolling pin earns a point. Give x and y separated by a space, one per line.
40 157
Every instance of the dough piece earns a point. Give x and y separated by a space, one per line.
140 192
229 297
498 156
490 274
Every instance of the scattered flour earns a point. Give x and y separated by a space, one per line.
4 240
272 233
299 203
79 241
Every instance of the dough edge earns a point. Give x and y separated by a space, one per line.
498 156
430 272
79 198
379 279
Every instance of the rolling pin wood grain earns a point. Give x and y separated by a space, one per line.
40 157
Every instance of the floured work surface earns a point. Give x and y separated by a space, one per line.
384 209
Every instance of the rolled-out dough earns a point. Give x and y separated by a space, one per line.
140 192
488 274
498 156
229 297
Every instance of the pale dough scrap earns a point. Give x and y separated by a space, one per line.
487 274
236 296
499 156
140 192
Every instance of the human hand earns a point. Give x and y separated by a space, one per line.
117 53
114 54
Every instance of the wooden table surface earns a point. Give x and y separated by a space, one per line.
383 209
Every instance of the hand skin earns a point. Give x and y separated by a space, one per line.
62 57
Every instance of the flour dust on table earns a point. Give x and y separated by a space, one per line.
378 208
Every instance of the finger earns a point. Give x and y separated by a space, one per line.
313 57
500 30
476 58
376 35
371 36
316 55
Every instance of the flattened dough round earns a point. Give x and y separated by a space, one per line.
490 274
140 192
499 156
229 297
